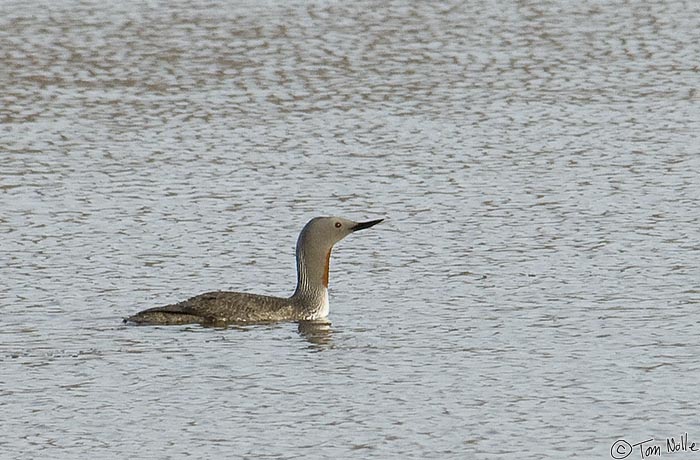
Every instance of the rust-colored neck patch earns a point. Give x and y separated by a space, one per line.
328 269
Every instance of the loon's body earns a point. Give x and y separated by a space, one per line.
309 301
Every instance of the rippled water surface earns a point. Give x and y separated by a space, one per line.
533 293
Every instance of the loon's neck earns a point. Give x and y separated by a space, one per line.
312 280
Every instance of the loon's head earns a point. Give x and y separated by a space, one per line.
315 243
324 232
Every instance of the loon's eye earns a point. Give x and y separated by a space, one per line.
338 225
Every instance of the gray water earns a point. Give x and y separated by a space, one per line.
533 293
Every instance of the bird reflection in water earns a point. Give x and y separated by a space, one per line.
317 332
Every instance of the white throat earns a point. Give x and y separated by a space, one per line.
324 308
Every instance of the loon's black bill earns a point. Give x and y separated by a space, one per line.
363 225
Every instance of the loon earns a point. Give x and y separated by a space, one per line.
308 302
